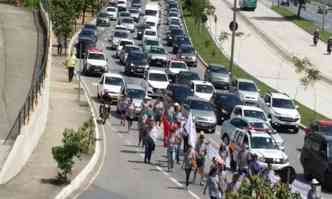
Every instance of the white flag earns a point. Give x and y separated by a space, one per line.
190 128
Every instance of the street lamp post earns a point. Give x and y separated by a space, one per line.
233 39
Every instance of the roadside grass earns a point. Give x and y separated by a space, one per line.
306 25
31 3
208 50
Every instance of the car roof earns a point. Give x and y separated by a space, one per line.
152 6
180 85
128 40
201 82
260 134
254 108
157 71
113 75
246 80
279 95
176 61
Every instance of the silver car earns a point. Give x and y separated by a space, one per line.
137 93
218 75
202 112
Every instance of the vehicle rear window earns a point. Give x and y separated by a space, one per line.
151 12
96 56
121 34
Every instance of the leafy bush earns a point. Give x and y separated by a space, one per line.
86 133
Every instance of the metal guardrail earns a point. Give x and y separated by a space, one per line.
37 84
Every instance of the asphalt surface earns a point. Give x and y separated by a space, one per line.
124 174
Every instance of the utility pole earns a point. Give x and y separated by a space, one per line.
233 38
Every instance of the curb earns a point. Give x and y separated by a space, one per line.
76 183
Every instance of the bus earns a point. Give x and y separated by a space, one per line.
248 5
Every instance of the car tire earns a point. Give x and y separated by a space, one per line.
225 139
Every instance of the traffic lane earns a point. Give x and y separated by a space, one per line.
123 174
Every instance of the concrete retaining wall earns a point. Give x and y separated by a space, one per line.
30 134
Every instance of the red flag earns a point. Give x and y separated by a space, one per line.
167 127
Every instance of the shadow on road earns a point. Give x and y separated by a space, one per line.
131 151
288 18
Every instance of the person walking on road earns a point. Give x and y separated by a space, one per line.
316 37
60 46
123 106
243 160
71 63
149 148
313 192
201 149
171 150
213 185
158 110
329 46
130 114
189 162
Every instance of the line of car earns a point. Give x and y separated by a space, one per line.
246 117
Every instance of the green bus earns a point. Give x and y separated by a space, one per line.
248 5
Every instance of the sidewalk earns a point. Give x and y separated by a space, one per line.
257 57
64 112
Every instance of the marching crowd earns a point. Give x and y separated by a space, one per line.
160 119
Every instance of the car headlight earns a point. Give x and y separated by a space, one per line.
193 58
132 65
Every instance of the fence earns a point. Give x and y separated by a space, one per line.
37 83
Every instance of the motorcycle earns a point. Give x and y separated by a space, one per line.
315 41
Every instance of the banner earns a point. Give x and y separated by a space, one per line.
190 128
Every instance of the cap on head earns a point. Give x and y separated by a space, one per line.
314 181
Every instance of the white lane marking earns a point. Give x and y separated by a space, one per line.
94 83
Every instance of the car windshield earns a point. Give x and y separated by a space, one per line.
121 34
172 14
217 69
127 20
151 12
325 129
228 101
282 103
157 77
150 23
123 43
124 14
102 14
190 76
262 143
96 56
179 65
247 86
111 9
157 51
259 125
187 50
133 11
150 33
200 105
254 114
137 56
136 93
200 88
114 81
151 42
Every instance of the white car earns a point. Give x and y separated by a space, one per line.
150 34
249 111
117 36
152 10
112 12
111 86
122 3
156 82
95 62
128 22
174 67
247 91
151 22
281 110
135 14
202 89
122 43
263 145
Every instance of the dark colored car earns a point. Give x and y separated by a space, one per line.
180 41
88 33
136 63
136 3
188 54
103 19
172 4
218 75
178 93
84 43
172 34
91 27
224 103
174 22
126 50
316 158
140 30
185 77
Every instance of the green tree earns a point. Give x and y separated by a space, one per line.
65 154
